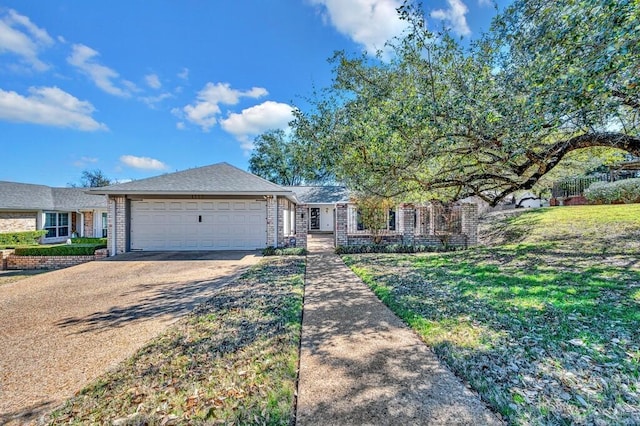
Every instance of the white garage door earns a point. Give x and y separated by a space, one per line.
198 225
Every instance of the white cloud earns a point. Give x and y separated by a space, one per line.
153 81
48 106
370 23
153 101
184 74
20 36
84 161
486 2
145 163
83 58
455 16
180 125
257 119
205 111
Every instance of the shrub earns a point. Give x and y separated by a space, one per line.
289 251
60 250
89 240
392 248
12 239
623 191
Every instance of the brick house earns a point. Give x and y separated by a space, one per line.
60 211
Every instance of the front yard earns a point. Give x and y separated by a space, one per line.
233 360
547 330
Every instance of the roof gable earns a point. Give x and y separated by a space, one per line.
26 196
320 194
220 178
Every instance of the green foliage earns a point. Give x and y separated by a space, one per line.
286 159
373 213
12 239
440 121
60 250
288 251
89 240
623 191
392 248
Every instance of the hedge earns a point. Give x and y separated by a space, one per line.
392 248
60 250
25 238
290 251
622 191
88 240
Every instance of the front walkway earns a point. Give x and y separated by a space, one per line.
361 365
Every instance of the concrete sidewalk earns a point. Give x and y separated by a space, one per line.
361 365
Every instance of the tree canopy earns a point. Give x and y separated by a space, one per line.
93 179
443 121
285 159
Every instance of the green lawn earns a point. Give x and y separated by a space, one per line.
234 360
545 326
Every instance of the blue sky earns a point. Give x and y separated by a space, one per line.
139 88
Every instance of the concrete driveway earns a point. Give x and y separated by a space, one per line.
62 329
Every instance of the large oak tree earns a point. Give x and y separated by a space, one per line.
443 121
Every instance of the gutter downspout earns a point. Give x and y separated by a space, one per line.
81 233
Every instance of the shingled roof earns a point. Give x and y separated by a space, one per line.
28 197
320 194
216 179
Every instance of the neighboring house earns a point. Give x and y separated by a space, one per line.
216 207
60 211
321 204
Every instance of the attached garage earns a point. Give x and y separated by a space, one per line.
216 207
198 224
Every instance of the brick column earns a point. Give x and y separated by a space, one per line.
88 225
470 223
407 212
342 219
116 222
271 221
302 220
282 206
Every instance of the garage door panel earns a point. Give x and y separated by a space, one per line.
198 225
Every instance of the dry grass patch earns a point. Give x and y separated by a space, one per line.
232 361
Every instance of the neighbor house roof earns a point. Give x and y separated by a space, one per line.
216 179
29 197
320 194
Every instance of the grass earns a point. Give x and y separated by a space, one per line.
545 326
232 361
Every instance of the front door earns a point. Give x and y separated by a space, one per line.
314 224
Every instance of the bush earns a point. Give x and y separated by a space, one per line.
88 240
622 191
289 251
60 250
12 239
392 248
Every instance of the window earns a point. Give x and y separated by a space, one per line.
104 225
392 220
56 225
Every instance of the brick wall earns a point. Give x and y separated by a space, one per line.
18 221
271 221
117 225
3 258
283 204
341 225
51 262
88 225
301 225
410 233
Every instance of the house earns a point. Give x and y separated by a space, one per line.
220 207
216 207
60 211
321 204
